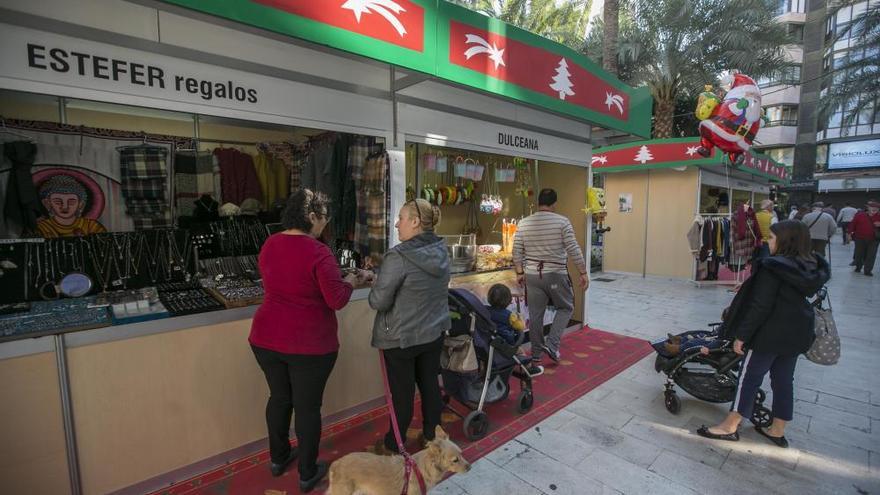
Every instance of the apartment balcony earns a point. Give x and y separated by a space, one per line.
780 94
781 133
792 17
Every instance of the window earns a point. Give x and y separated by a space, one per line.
790 75
781 115
796 31
781 155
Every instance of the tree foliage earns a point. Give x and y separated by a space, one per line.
565 23
675 47
854 82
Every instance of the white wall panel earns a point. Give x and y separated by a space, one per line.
110 15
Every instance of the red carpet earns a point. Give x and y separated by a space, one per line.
590 358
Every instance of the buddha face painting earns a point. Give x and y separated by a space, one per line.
64 198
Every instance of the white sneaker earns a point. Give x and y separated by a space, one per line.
535 370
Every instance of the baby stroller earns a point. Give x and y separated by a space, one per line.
497 362
711 377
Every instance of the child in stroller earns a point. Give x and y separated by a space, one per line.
497 361
704 365
509 325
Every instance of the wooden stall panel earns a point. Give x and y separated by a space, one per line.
147 406
625 244
33 459
673 204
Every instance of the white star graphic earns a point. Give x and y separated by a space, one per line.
613 99
494 53
599 159
385 8
692 150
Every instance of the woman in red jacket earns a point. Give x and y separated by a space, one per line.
293 335
865 231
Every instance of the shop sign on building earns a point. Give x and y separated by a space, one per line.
764 165
488 54
854 154
658 153
396 31
455 44
678 152
78 68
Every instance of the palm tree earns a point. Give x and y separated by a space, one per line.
611 28
564 23
856 76
674 47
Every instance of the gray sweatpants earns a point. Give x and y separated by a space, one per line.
551 289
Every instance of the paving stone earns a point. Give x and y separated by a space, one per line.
683 441
601 437
557 445
557 420
697 476
448 487
832 415
597 411
843 435
507 452
629 478
550 477
485 477
770 478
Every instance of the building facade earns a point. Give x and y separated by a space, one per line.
831 159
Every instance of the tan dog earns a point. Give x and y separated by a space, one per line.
362 473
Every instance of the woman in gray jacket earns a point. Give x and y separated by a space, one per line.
410 297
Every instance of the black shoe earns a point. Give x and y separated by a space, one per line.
553 355
852 264
779 441
308 485
279 469
535 370
858 269
869 274
703 431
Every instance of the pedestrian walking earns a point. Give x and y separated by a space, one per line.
865 231
822 226
772 323
542 247
766 217
844 218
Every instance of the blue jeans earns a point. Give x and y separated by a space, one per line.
755 366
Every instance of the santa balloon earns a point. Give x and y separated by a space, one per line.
732 124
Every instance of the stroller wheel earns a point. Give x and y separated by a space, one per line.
673 403
526 399
762 417
761 397
476 425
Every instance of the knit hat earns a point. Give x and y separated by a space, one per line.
250 206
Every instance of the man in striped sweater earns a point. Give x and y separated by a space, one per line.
543 245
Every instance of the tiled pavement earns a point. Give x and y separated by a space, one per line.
619 438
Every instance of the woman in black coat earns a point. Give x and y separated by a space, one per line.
773 321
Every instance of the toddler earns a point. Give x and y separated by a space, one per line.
507 322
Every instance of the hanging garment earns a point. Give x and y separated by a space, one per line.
193 176
23 206
238 178
273 176
371 228
693 236
360 149
144 186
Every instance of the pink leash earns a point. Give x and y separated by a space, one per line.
409 463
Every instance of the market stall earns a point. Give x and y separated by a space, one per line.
657 190
175 135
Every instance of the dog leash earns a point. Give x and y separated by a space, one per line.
409 463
